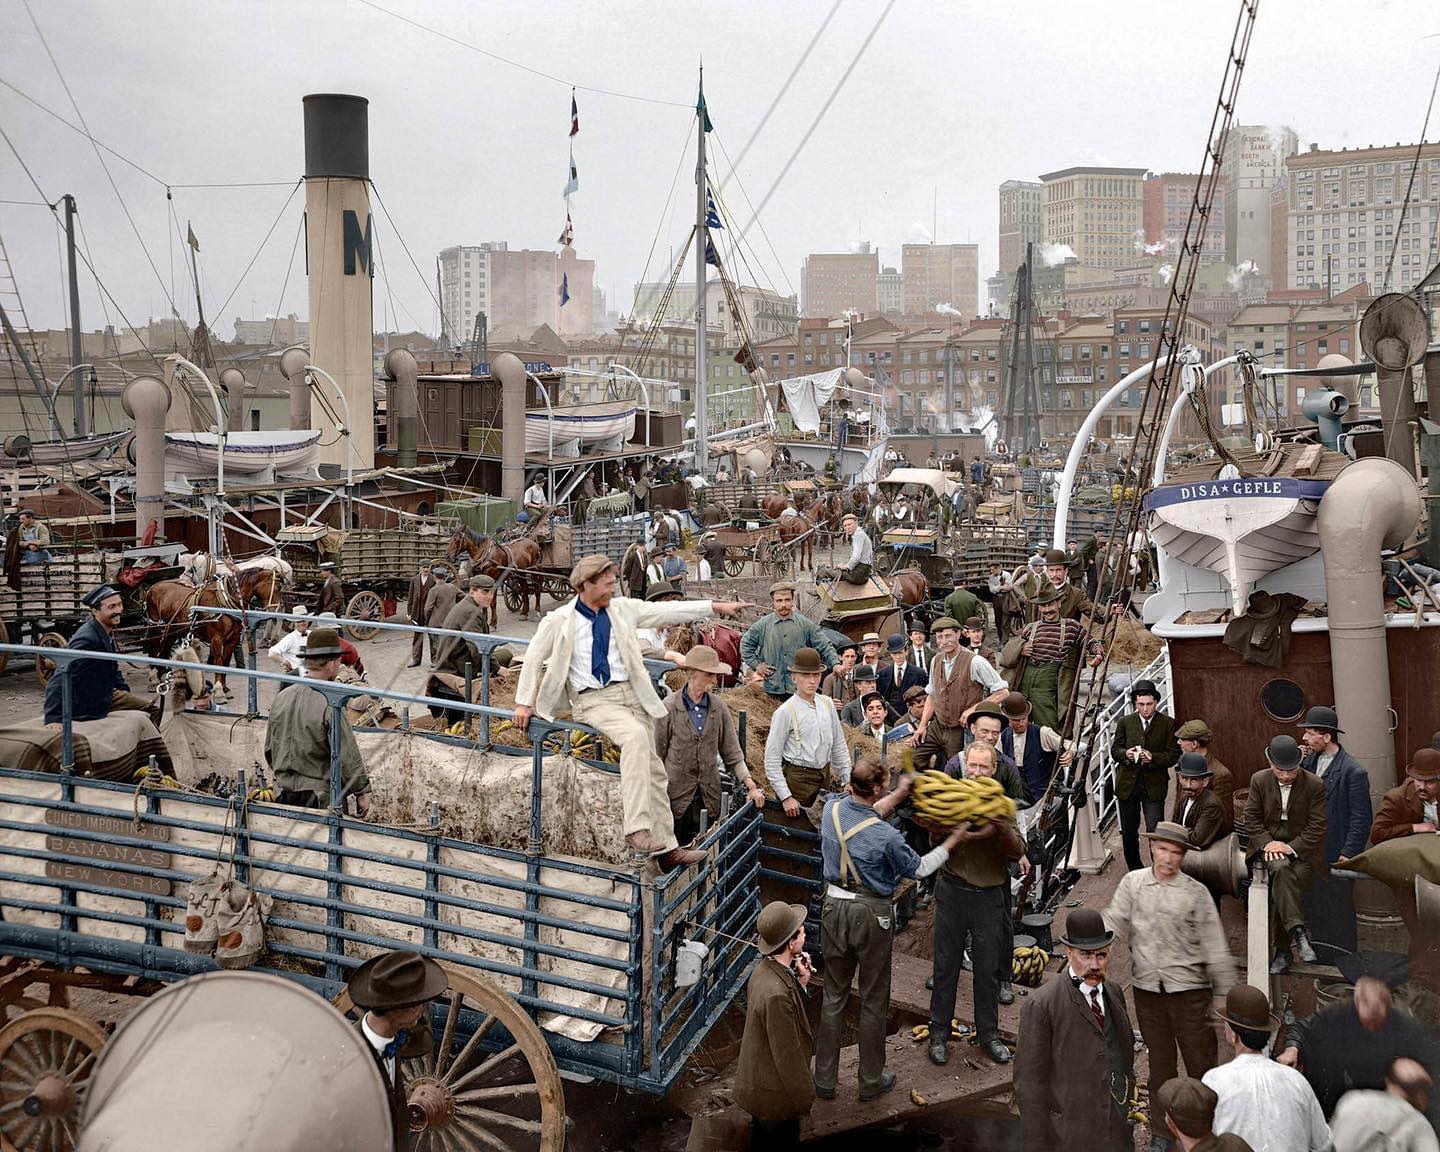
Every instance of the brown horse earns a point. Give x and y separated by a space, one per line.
773 505
515 561
170 605
798 534
909 587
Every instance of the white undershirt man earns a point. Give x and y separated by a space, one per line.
581 675
379 1043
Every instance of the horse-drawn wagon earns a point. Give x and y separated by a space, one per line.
373 564
556 962
760 546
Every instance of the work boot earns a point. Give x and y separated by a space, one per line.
1006 995
679 858
1281 964
824 1093
887 1082
930 983
1303 948
939 1051
644 843
996 1050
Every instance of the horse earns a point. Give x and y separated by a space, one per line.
800 529
515 561
170 605
909 587
773 505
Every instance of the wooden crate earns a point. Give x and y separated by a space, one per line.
53 591
610 537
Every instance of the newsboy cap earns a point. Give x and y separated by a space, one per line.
589 568
1189 1103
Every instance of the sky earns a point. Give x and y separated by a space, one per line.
948 100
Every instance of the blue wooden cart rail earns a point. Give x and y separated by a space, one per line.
345 887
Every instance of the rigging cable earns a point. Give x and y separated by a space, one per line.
1414 167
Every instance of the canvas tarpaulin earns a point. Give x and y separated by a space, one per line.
806 395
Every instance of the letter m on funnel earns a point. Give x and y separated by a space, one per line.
357 244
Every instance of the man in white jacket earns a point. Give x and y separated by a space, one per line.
586 657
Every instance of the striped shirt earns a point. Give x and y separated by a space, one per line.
1051 643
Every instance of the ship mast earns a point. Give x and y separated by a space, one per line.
702 248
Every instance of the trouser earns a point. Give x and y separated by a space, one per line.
1041 685
644 786
962 909
941 742
1289 879
687 820
121 701
1171 1020
305 799
855 934
1329 912
804 781
417 647
779 1135
1130 813
1424 949
856 574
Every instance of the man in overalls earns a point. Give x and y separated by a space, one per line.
864 859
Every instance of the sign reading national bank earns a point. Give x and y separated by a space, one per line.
1240 488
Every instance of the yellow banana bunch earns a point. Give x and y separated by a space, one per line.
948 802
1029 966
263 795
921 1032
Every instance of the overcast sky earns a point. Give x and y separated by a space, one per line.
948 100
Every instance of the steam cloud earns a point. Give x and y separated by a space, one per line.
1053 254
948 309
919 232
1167 272
1236 276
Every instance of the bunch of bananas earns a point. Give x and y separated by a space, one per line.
921 1032
151 775
262 795
588 746
947 802
1029 966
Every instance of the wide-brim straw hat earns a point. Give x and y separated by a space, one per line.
703 658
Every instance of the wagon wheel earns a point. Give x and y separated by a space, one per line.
734 565
515 598
46 1057
559 589
777 562
45 668
463 1098
364 606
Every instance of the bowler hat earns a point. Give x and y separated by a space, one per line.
863 672
1085 931
399 979
1322 718
777 923
1249 1008
1194 730
661 590
1144 688
1283 752
703 658
806 660
1171 833
1424 765
1194 765
483 583
99 594
974 622
322 642
1048 594
1015 706
895 643
589 568
916 625
1056 556
1189 1103
987 708
942 623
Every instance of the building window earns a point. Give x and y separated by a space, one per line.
1124 351
1122 326
1144 325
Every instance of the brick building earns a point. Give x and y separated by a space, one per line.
934 274
832 283
1096 212
1168 197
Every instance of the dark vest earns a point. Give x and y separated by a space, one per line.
1115 1058
1038 764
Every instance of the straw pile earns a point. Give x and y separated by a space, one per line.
1134 643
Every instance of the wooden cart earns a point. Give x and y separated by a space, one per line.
759 546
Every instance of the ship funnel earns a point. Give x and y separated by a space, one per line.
509 369
1347 386
342 268
146 400
405 403
1326 406
232 380
1394 334
292 367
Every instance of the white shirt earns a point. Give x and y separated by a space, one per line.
981 672
288 651
379 1043
1323 762
1369 1120
1285 799
1431 811
534 496
805 734
1268 1105
1093 993
861 550
581 677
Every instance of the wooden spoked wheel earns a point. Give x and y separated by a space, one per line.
364 606
734 565
515 598
46 668
46 1057
463 1098
777 560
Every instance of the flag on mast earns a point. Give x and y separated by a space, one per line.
573 184
712 213
190 237
564 289
574 114
567 235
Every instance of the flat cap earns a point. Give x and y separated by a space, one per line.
98 595
589 567
484 583
944 622
1189 1103
1193 730
782 586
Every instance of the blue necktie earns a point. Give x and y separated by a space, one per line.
599 642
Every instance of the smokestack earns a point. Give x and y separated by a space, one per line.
146 400
232 381
1394 334
292 367
405 402
510 371
337 230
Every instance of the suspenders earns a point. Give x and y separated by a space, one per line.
846 867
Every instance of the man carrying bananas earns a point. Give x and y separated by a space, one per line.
1178 954
959 680
864 859
972 899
